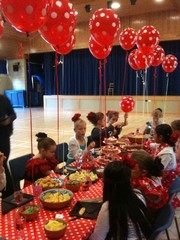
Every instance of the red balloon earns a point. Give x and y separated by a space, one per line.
60 23
169 63
158 55
27 15
1 27
142 60
98 51
131 60
104 26
127 38
67 47
127 104
147 38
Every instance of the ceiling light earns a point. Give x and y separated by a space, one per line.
76 12
115 5
158 1
88 8
133 2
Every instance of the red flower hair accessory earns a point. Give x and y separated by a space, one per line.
76 117
174 137
91 116
129 162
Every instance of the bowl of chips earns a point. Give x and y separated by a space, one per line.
73 185
49 183
29 212
56 198
55 229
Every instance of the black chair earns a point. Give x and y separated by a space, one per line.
61 152
17 169
173 191
163 221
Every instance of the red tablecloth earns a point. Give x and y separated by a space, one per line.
79 229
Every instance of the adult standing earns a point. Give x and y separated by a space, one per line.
7 116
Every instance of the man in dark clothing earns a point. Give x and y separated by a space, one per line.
7 116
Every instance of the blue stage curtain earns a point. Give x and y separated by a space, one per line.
79 74
3 67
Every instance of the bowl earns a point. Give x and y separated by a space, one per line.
139 139
100 172
49 183
29 212
56 198
55 229
73 185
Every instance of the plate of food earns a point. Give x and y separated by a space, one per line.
83 175
49 183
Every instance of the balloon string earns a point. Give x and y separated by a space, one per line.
146 90
29 94
155 74
137 77
104 70
165 99
57 93
100 93
125 68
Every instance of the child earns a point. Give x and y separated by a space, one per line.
123 214
99 132
112 117
2 172
44 162
78 143
151 125
175 125
146 177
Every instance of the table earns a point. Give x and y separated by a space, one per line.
79 229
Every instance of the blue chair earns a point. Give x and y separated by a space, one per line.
173 191
17 169
163 221
61 152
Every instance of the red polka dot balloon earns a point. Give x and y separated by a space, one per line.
142 60
67 47
131 60
98 51
127 104
27 15
1 27
60 23
158 55
169 63
127 38
147 38
104 26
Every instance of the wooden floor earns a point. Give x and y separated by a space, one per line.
62 130
46 121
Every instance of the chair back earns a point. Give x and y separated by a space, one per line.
61 152
174 188
163 221
17 169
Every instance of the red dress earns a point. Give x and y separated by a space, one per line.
36 167
156 196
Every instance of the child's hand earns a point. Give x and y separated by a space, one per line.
125 115
91 145
2 158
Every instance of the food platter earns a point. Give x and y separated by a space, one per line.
49 183
82 176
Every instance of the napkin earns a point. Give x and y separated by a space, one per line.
92 209
9 204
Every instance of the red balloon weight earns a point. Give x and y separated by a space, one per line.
147 38
67 47
60 23
98 51
104 26
27 15
127 104
127 38
158 55
1 27
143 61
169 63
131 60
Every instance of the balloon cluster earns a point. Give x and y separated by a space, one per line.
148 52
54 19
104 28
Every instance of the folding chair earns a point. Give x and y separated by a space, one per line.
173 191
163 222
61 152
17 169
